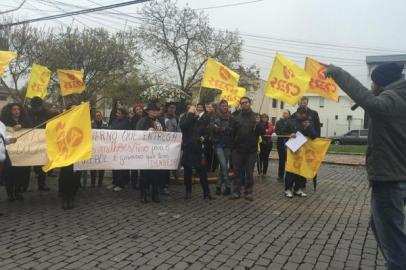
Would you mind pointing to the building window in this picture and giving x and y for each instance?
(273, 120)
(282, 105)
(274, 103)
(336, 117)
(3, 98)
(321, 102)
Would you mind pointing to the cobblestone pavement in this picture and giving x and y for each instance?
(341, 159)
(107, 230)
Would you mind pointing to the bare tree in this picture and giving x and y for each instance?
(184, 37)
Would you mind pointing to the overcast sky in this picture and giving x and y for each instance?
(341, 32)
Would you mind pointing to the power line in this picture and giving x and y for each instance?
(68, 14)
(230, 5)
(14, 9)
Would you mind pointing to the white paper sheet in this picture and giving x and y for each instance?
(296, 143)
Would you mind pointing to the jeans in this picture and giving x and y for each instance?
(223, 156)
(93, 176)
(244, 163)
(388, 200)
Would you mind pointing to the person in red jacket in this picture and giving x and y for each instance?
(265, 146)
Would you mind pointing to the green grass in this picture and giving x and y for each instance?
(353, 149)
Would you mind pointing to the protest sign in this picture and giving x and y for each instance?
(133, 149)
(30, 150)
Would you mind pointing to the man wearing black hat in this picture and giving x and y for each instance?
(39, 114)
(386, 154)
(150, 122)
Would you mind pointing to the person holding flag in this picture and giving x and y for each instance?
(386, 153)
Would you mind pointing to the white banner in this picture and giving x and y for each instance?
(133, 149)
(29, 150)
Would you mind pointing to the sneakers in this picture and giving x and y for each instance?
(117, 189)
(300, 193)
(235, 196)
(111, 187)
(288, 193)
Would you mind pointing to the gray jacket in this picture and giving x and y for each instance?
(386, 154)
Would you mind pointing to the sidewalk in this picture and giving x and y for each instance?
(339, 159)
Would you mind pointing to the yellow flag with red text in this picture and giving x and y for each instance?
(218, 76)
(307, 159)
(69, 137)
(71, 81)
(38, 83)
(5, 59)
(233, 96)
(319, 84)
(287, 81)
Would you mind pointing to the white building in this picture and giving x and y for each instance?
(336, 117)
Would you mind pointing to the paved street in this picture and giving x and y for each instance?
(107, 230)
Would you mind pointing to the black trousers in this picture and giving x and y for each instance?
(15, 178)
(263, 162)
(121, 178)
(294, 181)
(150, 178)
(93, 176)
(69, 182)
(134, 178)
(202, 172)
(282, 158)
(41, 175)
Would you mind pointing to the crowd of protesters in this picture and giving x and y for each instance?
(214, 139)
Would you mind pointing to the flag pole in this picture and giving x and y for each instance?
(45, 122)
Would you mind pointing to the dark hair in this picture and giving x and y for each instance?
(305, 98)
(122, 110)
(36, 102)
(201, 104)
(247, 98)
(170, 104)
(265, 115)
(7, 118)
(223, 101)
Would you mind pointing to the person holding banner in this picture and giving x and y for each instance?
(97, 123)
(3, 152)
(39, 114)
(220, 129)
(16, 178)
(138, 110)
(195, 126)
(294, 184)
(120, 122)
(150, 122)
(282, 128)
(246, 131)
(386, 153)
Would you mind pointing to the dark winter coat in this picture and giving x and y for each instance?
(122, 124)
(386, 154)
(220, 129)
(282, 128)
(245, 132)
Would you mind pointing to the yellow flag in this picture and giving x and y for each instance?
(69, 137)
(38, 83)
(307, 160)
(5, 59)
(319, 84)
(71, 81)
(218, 76)
(287, 81)
(233, 96)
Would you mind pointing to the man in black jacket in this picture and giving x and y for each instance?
(312, 115)
(245, 134)
(39, 114)
(386, 154)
